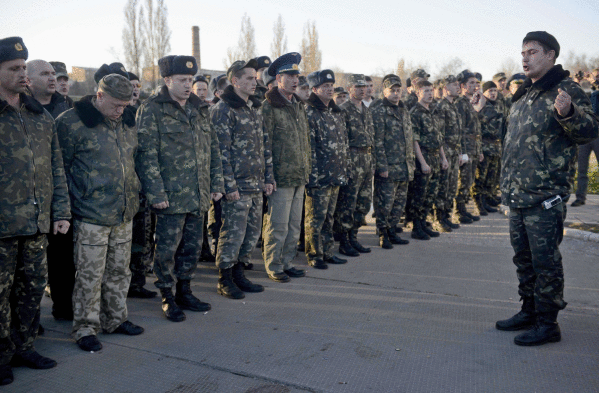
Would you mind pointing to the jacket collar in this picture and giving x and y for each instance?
(554, 76)
(317, 103)
(91, 117)
(163, 97)
(30, 103)
(233, 100)
(276, 99)
(386, 102)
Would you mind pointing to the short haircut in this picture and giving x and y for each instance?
(367, 78)
(422, 83)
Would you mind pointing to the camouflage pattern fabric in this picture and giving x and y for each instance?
(142, 244)
(33, 188)
(535, 235)
(23, 273)
(485, 183)
(492, 123)
(215, 219)
(178, 158)
(102, 255)
(349, 213)
(448, 181)
(411, 101)
(320, 206)
(98, 156)
(390, 199)
(466, 180)
(358, 123)
(241, 227)
(425, 128)
(450, 125)
(178, 247)
(287, 127)
(471, 132)
(423, 189)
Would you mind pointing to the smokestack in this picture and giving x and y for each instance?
(195, 44)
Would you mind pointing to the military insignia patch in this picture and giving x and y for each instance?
(18, 47)
(123, 69)
(266, 61)
(189, 64)
(295, 67)
(329, 76)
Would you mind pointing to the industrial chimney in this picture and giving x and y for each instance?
(195, 45)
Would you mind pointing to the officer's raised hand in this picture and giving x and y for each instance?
(563, 103)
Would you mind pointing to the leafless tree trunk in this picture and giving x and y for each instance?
(157, 37)
(246, 45)
(452, 67)
(311, 54)
(279, 42)
(509, 67)
(133, 37)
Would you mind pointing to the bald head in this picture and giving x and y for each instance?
(42, 80)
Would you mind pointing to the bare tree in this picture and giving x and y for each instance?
(157, 37)
(510, 67)
(279, 42)
(311, 54)
(133, 37)
(246, 45)
(452, 67)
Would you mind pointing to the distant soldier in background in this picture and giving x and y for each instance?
(62, 80)
(42, 84)
(261, 88)
(340, 96)
(368, 98)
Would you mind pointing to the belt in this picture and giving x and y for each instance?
(361, 149)
(431, 151)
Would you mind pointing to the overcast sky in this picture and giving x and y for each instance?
(355, 35)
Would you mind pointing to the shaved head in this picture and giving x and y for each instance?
(42, 80)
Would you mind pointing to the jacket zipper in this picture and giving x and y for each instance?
(32, 158)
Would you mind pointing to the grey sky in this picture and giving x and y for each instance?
(356, 36)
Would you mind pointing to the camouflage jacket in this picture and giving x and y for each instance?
(260, 92)
(33, 187)
(178, 159)
(99, 161)
(244, 143)
(450, 124)
(328, 142)
(471, 136)
(425, 128)
(411, 101)
(360, 130)
(492, 124)
(501, 104)
(58, 104)
(287, 127)
(393, 140)
(540, 147)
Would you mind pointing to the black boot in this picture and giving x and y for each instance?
(353, 240)
(226, 286)
(6, 375)
(345, 247)
(470, 215)
(478, 201)
(33, 360)
(186, 301)
(487, 207)
(441, 217)
(463, 214)
(395, 239)
(546, 330)
(171, 310)
(525, 319)
(427, 230)
(492, 201)
(242, 282)
(418, 233)
(384, 239)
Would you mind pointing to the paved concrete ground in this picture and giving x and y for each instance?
(418, 318)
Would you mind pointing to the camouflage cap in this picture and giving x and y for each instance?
(12, 48)
(391, 80)
(356, 80)
(214, 83)
(478, 76)
(60, 69)
(419, 73)
(465, 75)
(200, 78)
(489, 85)
(239, 65)
(116, 86)
(302, 81)
(447, 80)
(340, 90)
(516, 78)
(499, 76)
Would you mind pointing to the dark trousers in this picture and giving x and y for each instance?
(584, 153)
(61, 272)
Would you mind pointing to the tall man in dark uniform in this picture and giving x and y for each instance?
(550, 116)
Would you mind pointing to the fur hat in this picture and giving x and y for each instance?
(317, 78)
(177, 65)
(114, 68)
(12, 48)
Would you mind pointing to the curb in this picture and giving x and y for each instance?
(568, 232)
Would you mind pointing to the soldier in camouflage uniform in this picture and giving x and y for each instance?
(353, 202)
(471, 140)
(451, 129)
(430, 160)
(412, 98)
(33, 201)
(62, 81)
(287, 126)
(99, 142)
(492, 123)
(247, 170)
(180, 171)
(261, 88)
(394, 160)
(328, 146)
(340, 96)
(500, 81)
(550, 116)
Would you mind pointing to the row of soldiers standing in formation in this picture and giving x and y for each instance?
(76, 171)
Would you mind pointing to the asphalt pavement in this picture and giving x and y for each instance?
(418, 318)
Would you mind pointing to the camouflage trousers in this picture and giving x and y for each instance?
(422, 191)
(320, 206)
(215, 218)
(241, 227)
(486, 176)
(142, 246)
(535, 234)
(23, 271)
(467, 173)
(390, 199)
(178, 247)
(102, 257)
(354, 200)
(281, 228)
(448, 182)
